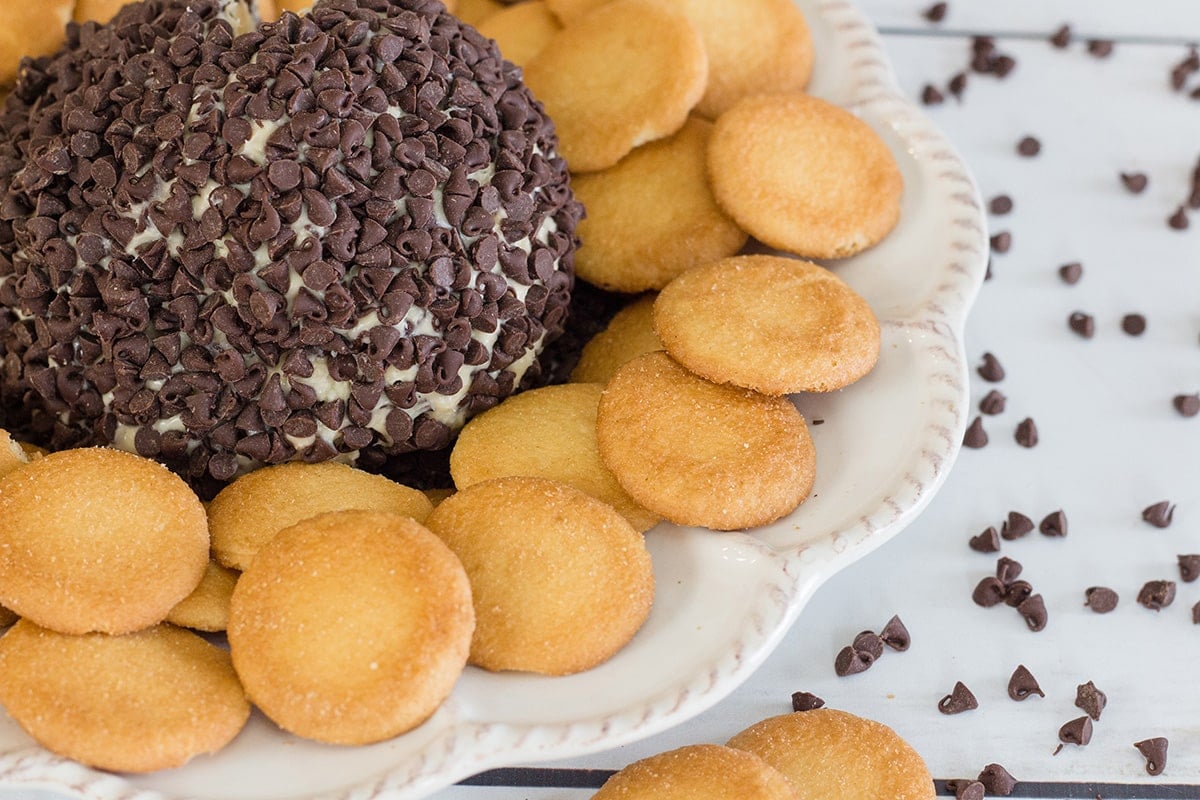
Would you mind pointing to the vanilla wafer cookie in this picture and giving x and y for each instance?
(629, 334)
(698, 772)
(522, 31)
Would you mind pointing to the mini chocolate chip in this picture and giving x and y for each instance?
(1082, 323)
(1135, 182)
(969, 790)
(1000, 204)
(1100, 599)
(895, 635)
(1027, 433)
(1062, 37)
(936, 12)
(959, 700)
(868, 643)
(992, 403)
(958, 85)
(1070, 273)
(1054, 524)
(975, 436)
(997, 780)
(806, 701)
(1077, 731)
(1179, 220)
(851, 662)
(987, 541)
(1133, 324)
(1155, 752)
(988, 592)
(1016, 593)
(1189, 567)
(1029, 146)
(930, 96)
(1033, 609)
(1100, 48)
(1157, 595)
(1008, 569)
(1090, 700)
(991, 370)
(1188, 405)
(1015, 526)
(1022, 684)
(1001, 242)
(1159, 514)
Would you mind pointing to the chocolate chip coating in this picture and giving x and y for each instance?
(335, 236)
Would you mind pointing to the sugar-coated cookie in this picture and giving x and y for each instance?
(701, 453)
(829, 754)
(560, 581)
(140, 702)
(521, 31)
(13, 454)
(652, 216)
(620, 76)
(568, 11)
(629, 334)
(248, 512)
(773, 324)
(30, 28)
(804, 175)
(698, 772)
(207, 608)
(351, 627)
(544, 433)
(474, 12)
(753, 46)
(95, 539)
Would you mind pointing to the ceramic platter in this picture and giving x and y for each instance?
(724, 600)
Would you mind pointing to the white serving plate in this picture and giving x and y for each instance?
(724, 600)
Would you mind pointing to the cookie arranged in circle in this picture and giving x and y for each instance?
(560, 581)
(140, 702)
(351, 627)
(803, 175)
(835, 755)
(95, 539)
(544, 433)
(701, 453)
(568, 11)
(474, 12)
(698, 772)
(753, 46)
(522, 31)
(207, 608)
(620, 76)
(629, 334)
(247, 513)
(652, 216)
(776, 325)
(30, 29)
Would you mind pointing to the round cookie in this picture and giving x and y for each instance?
(98, 540)
(351, 627)
(568, 11)
(629, 334)
(773, 324)
(834, 755)
(30, 29)
(521, 31)
(753, 46)
(803, 175)
(544, 433)
(698, 772)
(474, 12)
(623, 75)
(207, 608)
(247, 513)
(652, 216)
(140, 702)
(560, 581)
(701, 453)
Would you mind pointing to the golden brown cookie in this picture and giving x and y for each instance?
(97, 10)
(140, 702)
(651, 216)
(560, 581)
(568, 11)
(207, 608)
(32, 451)
(295, 6)
(13, 454)
(698, 772)
(544, 433)
(834, 755)
(629, 334)
(776, 325)
(803, 175)
(475, 12)
(522, 31)
(351, 627)
(753, 46)
(701, 453)
(28, 28)
(623, 75)
(95, 539)
(248, 512)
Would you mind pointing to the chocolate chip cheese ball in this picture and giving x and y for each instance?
(222, 245)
